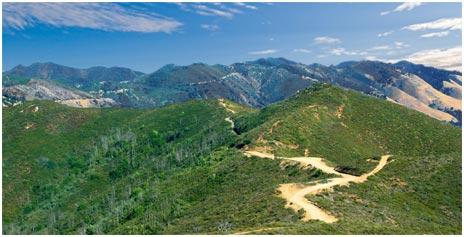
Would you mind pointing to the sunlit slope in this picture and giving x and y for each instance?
(345, 127)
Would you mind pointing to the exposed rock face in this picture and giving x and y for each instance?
(90, 103)
(37, 89)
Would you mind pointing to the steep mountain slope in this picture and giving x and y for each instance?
(37, 89)
(448, 82)
(197, 81)
(181, 169)
(255, 84)
(396, 85)
(259, 83)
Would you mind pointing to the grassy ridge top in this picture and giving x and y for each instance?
(346, 127)
(180, 169)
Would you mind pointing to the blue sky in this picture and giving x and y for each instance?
(146, 36)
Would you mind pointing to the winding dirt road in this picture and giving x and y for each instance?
(295, 193)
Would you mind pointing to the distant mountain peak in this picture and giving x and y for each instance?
(273, 61)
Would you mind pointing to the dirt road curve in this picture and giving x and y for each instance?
(232, 125)
(295, 193)
(222, 103)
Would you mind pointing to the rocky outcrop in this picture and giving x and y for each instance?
(37, 89)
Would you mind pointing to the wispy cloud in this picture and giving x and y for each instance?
(450, 59)
(405, 6)
(101, 16)
(400, 45)
(381, 47)
(389, 47)
(209, 11)
(395, 48)
(385, 34)
(301, 51)
(241, 4)
(436, 34)
(182, 6)
(262, 52)
(343, 51)
(210, 27)
(227, 10)
(440, 24)
(326, 40)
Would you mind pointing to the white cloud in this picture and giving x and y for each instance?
(326, 40)
(241, 4)
(385, 34)
(400, 45)
(338, 51)
(101, 16)
(395, 45)
(436, 34)
(210, 27)
(268, 51)
(450, 59)
(182, 6)
(209, 11)
(301, 51)
(405, 6)
(229, 9)
(381, 47)
(216, 8)
(373, 58)
(440, 24)
(343, 51)
(383, 14)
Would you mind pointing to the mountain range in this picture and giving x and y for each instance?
(259, 83)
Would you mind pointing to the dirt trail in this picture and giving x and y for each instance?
(258, 230)
(259, 154)
(232, 124)
(228, 119)
(295, 193)
(223, 104)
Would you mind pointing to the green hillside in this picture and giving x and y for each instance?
(346, 127)
(180, 169)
